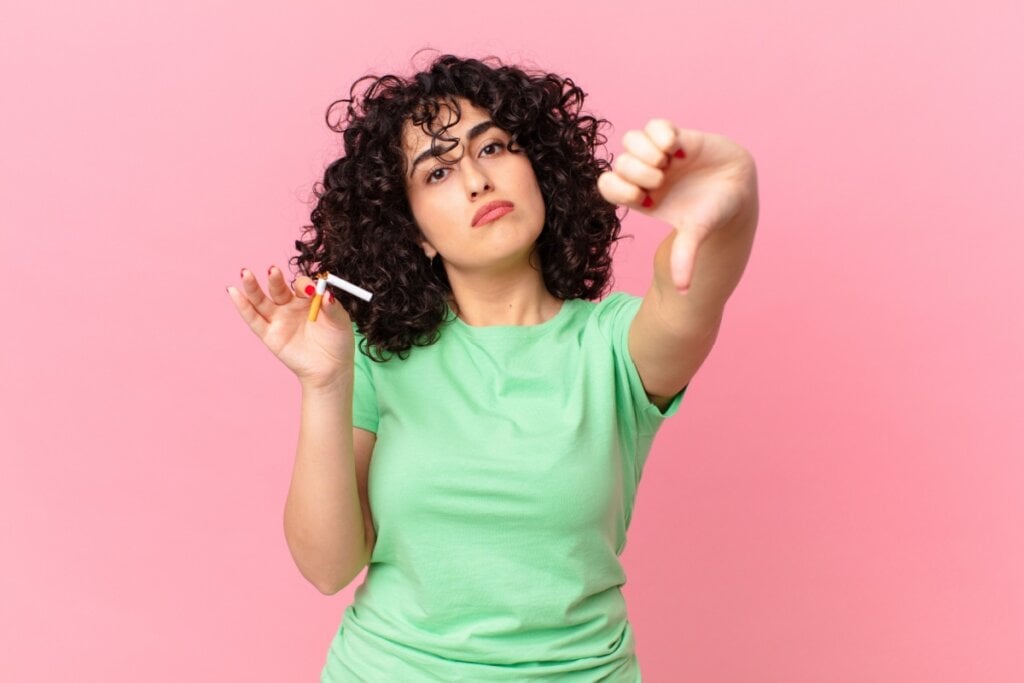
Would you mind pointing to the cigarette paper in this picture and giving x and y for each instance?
(349, 287)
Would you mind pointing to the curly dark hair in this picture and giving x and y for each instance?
(363, 228)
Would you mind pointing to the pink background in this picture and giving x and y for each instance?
(841, 497)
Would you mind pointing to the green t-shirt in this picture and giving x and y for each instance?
(502, 484)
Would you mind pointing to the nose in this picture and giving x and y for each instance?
(476, 180)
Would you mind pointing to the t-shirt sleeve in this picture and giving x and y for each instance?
(616, 313)
(638, 419)
(365, 414)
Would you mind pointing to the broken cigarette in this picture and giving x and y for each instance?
(321, 287)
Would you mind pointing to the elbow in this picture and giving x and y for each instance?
(333, 582)
(329, 570)
(329, 588)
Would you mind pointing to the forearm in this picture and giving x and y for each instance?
(323, 519)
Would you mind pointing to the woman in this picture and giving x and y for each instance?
(506, 414)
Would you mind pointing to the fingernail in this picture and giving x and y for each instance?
(241, 273)
(310, 290)
(270, 271)
(647, 201)
(680, 154)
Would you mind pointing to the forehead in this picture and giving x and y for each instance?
(416, 140)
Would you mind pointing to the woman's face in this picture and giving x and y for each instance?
(446, 194)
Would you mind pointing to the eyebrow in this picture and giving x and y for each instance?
(474, 132)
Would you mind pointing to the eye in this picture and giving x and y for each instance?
(489, 145)
(496, 147)
(432, 177)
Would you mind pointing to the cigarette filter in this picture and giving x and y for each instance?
(321, 287)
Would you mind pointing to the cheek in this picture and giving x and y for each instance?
(432, 217)
(538, 196)
(527, 178)
(424, 213)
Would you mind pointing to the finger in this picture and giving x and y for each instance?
(304, 287)
(337, 313)
(688, 144)
(277, 287)
(637, 172)
(683, 258)
(640, 145)
(618, 191)
(257, 323)
(305, 291)
(263, 305)
(663, 134)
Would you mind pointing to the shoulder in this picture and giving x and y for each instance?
(614, 313)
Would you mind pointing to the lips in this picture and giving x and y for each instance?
(491, 211)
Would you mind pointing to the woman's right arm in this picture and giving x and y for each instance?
(327, 520)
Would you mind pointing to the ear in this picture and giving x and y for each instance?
(428, 249)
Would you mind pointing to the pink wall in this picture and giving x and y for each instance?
(840, 497)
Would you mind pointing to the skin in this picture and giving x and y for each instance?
(494, 273)
(704, 186)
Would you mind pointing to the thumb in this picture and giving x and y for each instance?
(334, 310)
(683, 258)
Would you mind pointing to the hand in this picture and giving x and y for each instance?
(315, 351)
(697, 182)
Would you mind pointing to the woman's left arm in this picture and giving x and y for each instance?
(704, 186)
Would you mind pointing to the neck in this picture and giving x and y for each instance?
(511, 298)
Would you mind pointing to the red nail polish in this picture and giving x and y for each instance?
(270, 271)
(680, 154)
(647, 201)
(310, 290)
(241, 273)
